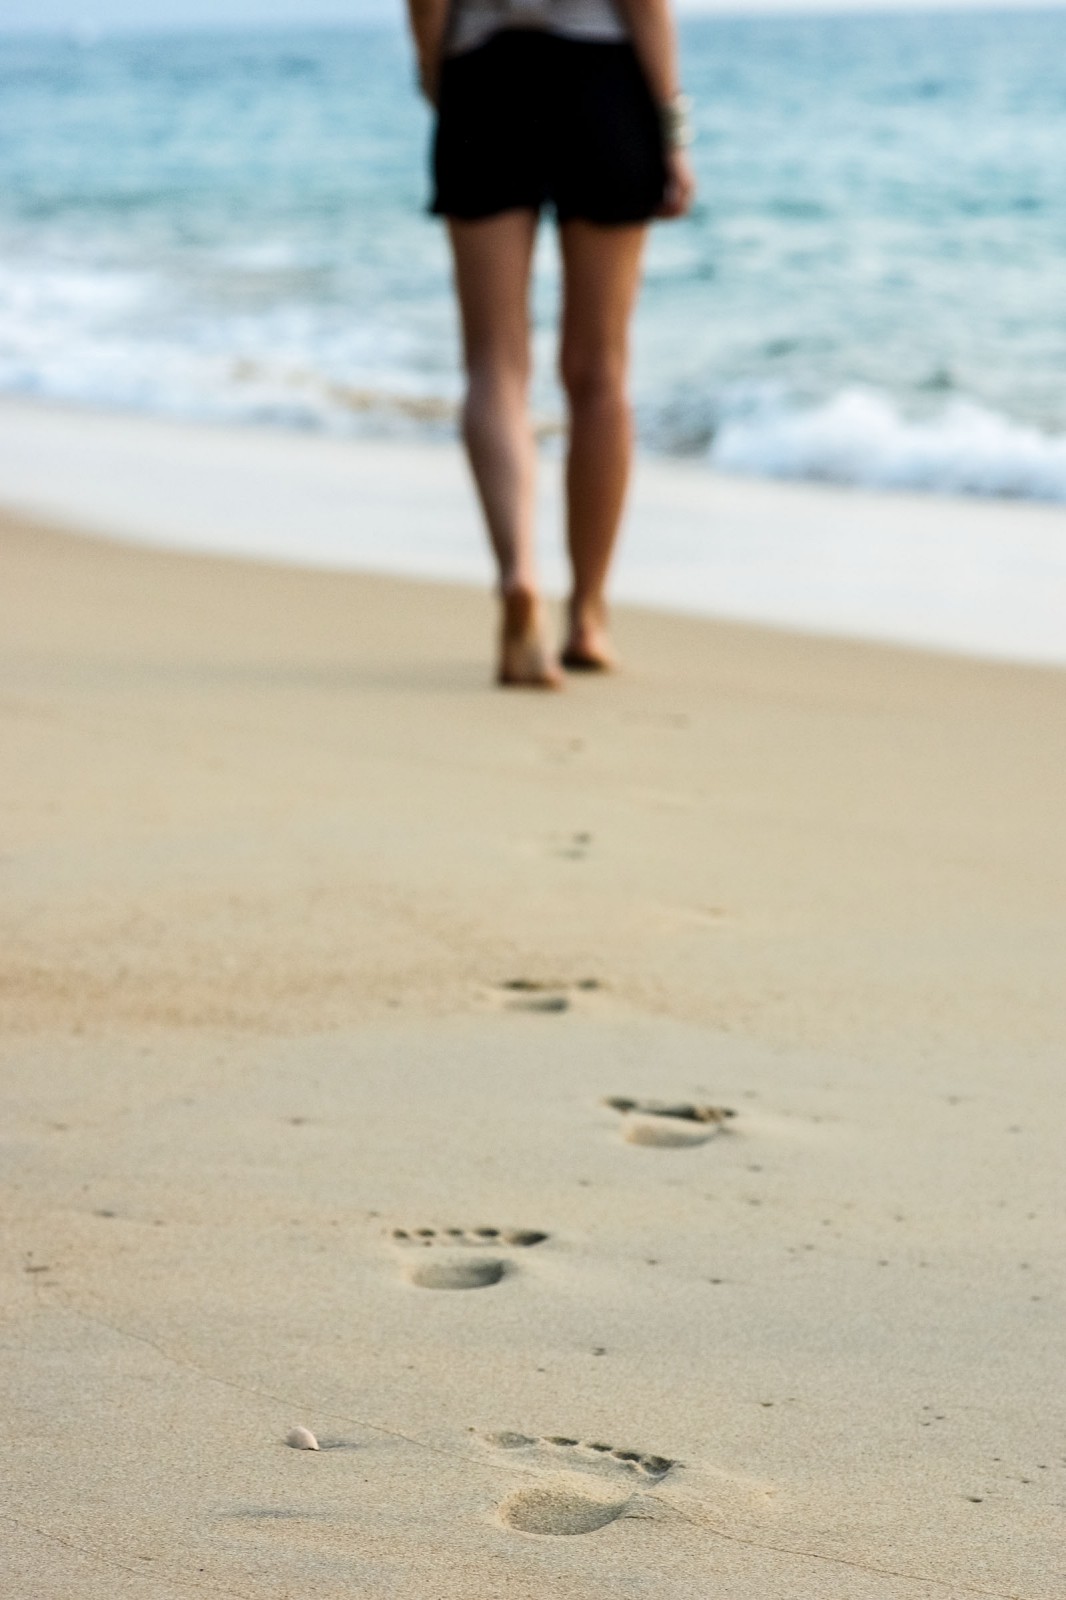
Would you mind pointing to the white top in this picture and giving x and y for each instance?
(474, 21)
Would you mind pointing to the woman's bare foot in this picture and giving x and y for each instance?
(526, 661)
(588, 648)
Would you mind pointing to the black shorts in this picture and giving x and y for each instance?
(530, 119)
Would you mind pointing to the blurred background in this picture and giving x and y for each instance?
(220, 214)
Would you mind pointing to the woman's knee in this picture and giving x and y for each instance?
(498, 372)
(593, 377)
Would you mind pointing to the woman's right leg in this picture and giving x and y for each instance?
(493, 259)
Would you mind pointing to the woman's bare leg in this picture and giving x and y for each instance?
(493, 259)
(601, 274)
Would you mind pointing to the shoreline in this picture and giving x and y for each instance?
(961, 575)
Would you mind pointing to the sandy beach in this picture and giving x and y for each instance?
(322, 961)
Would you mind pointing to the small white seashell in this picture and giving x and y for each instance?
(302, 1439)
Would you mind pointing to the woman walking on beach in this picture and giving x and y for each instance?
(573, 104)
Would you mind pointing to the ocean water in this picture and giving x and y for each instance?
(871, 289)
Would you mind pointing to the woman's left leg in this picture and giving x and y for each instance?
(601, 276)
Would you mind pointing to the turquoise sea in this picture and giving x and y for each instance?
(872, 288)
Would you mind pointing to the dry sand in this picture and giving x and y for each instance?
(311, 940)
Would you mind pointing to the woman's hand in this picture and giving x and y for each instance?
(680, 190)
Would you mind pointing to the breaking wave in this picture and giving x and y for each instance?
(859, 437)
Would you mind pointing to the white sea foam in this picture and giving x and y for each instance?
(859, 437)
(101, 336)
(125, 338)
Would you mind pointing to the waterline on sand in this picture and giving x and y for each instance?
(981, 577)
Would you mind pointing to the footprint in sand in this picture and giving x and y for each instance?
(570, 1485)
(537, 994)
(460, 1258)
(668, 1125)
(598, 1484)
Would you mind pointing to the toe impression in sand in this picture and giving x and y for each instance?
(668, 1125)
(603, 1458)
(472, 1258)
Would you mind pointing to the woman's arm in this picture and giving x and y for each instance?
(428, 19)
(651, 28)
